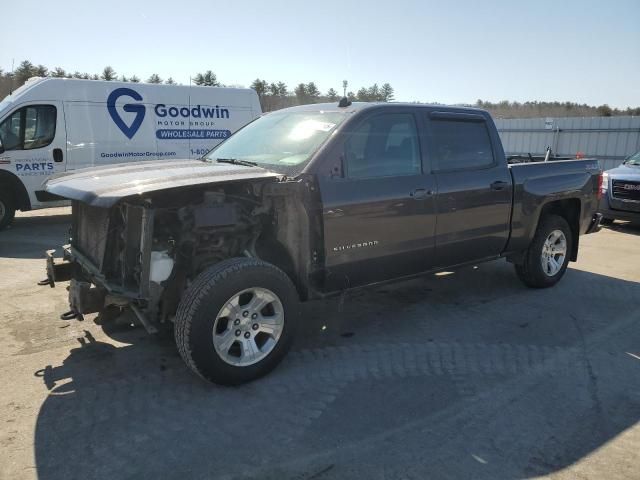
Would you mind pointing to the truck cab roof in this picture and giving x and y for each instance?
(360, 106)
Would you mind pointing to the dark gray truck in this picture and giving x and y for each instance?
(306, 202)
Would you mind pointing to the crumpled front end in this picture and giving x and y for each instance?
(141, 252)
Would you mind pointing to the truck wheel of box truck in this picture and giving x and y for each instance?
(7, 206)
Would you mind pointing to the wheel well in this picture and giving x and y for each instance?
(568, 209)
(270, 250)
(13, 183)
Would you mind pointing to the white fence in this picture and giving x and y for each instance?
(610, 139)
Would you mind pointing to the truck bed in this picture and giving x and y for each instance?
(536, 182)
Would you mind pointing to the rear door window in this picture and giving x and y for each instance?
(382, 146)
(459, 145)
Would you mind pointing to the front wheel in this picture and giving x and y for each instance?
(7, 207)
(547, 258)
(236, 321)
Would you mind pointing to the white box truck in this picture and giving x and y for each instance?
(52, 125)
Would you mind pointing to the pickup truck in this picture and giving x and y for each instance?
(303, 203)
(621, 187)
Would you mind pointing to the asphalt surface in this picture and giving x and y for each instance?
(463, 375)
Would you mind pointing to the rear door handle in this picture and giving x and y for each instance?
(57, 155)
(499, 185)
(420, 193)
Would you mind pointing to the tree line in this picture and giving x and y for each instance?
(276, 95)
(507, 109)
(273, 96)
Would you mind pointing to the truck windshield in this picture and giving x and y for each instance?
(633, 159)
(280, 141)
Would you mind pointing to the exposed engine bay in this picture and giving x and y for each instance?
(144, 251)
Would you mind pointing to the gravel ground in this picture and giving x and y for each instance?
(464, 375)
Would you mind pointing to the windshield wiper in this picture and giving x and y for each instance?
(235, 161)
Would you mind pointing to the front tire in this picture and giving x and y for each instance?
(547, 257)
(7, 207)
(236, 321)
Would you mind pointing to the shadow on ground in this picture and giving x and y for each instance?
(625, 227)
(32, 236)
(464, 376)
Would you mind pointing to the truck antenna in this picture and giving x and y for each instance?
(344, 101)
(13, 61)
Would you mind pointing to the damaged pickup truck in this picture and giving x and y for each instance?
(306, 202)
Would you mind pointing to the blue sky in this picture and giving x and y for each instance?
(448, 51)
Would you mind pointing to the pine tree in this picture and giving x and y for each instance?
(210, 80)
(312, 92)
(24, 72)
(282, 89)
(108, 74)
(59, 73)
(260, 86)
(301, 93)
(41, 71)
(198, 79)
(387, 93)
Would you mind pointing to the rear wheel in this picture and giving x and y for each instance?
(7, 207)
(547, 258)
(236, 321)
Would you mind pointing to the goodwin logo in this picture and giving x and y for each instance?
(138, 109)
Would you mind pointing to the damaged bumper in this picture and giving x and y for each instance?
(61, 272)
(90, 292)
(85, 296)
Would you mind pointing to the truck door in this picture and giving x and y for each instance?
(474, 186)
(379, 217)
(34, 139)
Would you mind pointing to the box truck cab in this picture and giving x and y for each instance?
(52, 125)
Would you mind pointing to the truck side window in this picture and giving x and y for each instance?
(459, 144)
(29, 128)
(382, 146)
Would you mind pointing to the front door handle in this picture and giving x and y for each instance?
(335, 212)
(499, 185)
(420, 193)
(57, 155)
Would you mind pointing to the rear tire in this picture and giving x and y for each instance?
(236, 321)
(7, 207)
(544, 263)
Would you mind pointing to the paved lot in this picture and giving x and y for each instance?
(465, 375)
